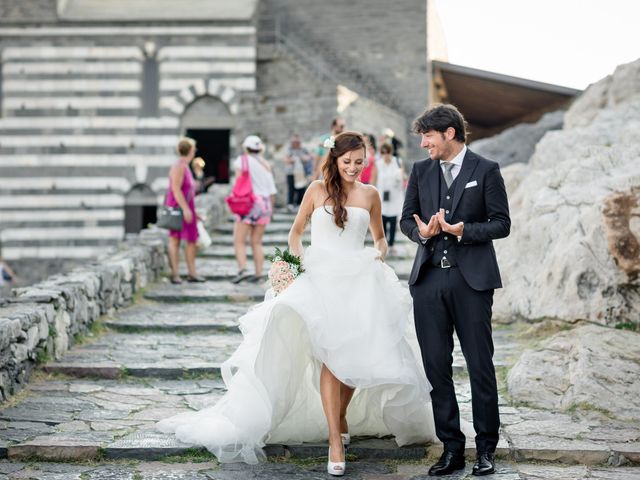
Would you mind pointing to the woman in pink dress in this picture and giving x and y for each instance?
(182, 193)
(369, 173)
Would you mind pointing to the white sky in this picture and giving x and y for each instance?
(566, 42)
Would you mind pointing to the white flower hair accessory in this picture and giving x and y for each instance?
(329, 142)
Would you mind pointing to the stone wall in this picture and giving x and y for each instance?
(43, 320)
(375, 49)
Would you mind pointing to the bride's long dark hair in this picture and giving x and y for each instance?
(344, 143)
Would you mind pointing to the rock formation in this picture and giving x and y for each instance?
(573, 249)
(588, 368)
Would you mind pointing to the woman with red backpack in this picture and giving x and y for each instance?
(251, 201)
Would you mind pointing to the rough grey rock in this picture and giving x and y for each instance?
(517, 144)
(557, 262)
(589, 367)
(620, 87)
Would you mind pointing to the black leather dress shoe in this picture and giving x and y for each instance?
(485, 464)
(449, 462)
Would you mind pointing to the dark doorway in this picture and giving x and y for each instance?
(213, 147)
(140, 208)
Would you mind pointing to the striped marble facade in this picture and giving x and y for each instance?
(73, 138)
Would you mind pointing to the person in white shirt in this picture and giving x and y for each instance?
(254, 223)
(390, 184)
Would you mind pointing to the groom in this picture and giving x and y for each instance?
(455, 205)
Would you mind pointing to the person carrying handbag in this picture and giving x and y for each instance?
(181, 194)
(253, 223)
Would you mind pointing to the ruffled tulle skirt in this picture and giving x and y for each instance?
(347, 311)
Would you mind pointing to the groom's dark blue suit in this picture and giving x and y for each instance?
(461, 296)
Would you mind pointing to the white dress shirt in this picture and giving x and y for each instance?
(457, 162)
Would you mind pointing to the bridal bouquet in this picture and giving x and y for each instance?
(284, 269)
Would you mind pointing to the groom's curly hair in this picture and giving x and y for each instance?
(344, 143)
(439, 117)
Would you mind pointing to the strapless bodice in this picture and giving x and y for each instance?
(325, 234)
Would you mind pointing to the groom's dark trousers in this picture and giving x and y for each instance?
(458, 297)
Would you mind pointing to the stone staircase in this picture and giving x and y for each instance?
(325, 63)
(162, 355)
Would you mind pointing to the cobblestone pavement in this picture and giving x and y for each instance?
(91, 415)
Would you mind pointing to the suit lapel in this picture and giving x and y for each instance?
(468, 167)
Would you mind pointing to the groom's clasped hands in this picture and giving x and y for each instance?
(437, 224)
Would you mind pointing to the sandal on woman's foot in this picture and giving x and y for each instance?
(196, 279)
(242, 275)
(175, 280)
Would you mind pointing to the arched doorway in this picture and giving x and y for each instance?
(140, 208)
(208, 121)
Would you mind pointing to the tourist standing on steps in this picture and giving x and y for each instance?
(389, 136)
(391, 190)
(255, 222)
(202, 183)
(182, 192)
(296, 162)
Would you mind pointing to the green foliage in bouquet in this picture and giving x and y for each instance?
(286, 256)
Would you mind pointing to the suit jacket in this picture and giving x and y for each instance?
(479, 200)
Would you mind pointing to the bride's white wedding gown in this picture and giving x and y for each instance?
(347, 311)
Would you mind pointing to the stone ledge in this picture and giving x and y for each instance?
(42, 321)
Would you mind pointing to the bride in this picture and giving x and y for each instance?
(335, 354)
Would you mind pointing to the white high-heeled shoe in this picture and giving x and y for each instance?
(346, 439)
(336, 468)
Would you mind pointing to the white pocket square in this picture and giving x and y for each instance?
(471, 184)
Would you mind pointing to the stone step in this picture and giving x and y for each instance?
(84, 419)
(309, 469)
(283, 227)
(273, 227)
(209, 291)
(402, 251)
(220, 268)
(147, 354)
(152, 445)
(213, 268)
(281, 239)
(270, 239)
(179, 317)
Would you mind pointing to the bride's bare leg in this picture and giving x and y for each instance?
(330, 394)
(346, 394)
